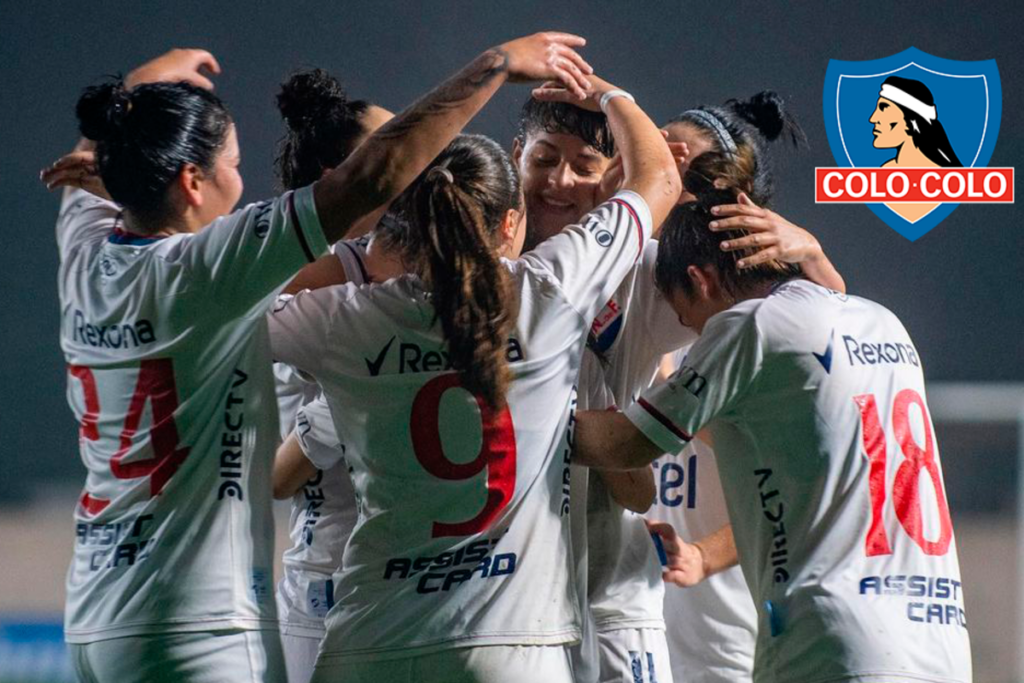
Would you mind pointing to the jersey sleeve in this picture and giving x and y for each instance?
(594, 393)
(714, 376)
(317, 434)
(83, 217)
(301, 328)
(591, 258)
(246, 256)
(665, 332)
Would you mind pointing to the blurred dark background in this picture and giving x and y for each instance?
(958, 289)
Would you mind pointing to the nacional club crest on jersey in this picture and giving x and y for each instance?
(912, 135)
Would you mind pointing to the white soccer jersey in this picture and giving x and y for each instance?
(625, 589)
(634, 329)
(169, 377)
(323, 515)
(323, 511)
(711, 627)
(632, 332)
(293, 390)
(830, 467)
(457, 525)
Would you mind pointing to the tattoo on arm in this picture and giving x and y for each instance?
(449, 95)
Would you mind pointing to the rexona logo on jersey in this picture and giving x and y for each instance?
(414, 358)
(911, 135)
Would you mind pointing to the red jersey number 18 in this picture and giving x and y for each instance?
(906, 490)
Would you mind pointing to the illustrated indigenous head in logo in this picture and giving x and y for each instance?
(924, 146)
(905, 119)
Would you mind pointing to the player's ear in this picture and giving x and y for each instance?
(517, 151)
(190, 182)
(511, 240)
(704, 283)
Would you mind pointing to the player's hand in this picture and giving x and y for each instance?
(549, 56)
(685, 566)
(76, 169)
(772, 235)
(193, 66)
(611, 181)
(591, 99)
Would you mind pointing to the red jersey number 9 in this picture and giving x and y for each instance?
(906, 489)
(497, 453)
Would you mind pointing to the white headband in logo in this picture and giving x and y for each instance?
(907, 100)
(710, 120)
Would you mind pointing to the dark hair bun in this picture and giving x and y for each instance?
(311, 96)
(101, 110)
(765, 111)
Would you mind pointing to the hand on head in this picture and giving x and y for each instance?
(190, 65)
(549, 56)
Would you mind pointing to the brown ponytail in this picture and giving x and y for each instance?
(458, 205)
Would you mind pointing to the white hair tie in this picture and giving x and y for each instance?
(905, 99)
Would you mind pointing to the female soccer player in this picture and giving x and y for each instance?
(625, 591)
(452, 394)
(324, 126)
(711, 626)
(815, 402)
(169, 375)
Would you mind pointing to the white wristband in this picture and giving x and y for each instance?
(612, 94)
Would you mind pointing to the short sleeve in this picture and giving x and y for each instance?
(301, 328)
(245, 256)
(714, 376)
(318, 437)
(83, 217)
(591, 258)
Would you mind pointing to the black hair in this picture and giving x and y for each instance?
(324, 126)
(931, 137)
(146, 136)
(751, 124)
(455, 208)
(687, 241)
(560, 117)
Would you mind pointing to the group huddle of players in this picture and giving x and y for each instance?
(474, 371)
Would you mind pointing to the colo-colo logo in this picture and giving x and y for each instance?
(911, 135)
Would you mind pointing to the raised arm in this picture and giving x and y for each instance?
(648, 165)
(379, 169)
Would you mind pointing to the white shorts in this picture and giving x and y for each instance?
(634, 655)
(485, 664)
(299, 656)
(199, 657)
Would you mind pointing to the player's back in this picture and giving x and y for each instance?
(829, 458)
(456, 520)
(169, 377)
(463, 509)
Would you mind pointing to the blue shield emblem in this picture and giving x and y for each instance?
(965, 99)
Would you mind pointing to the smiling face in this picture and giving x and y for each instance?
(890, 125)
(560, 174)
